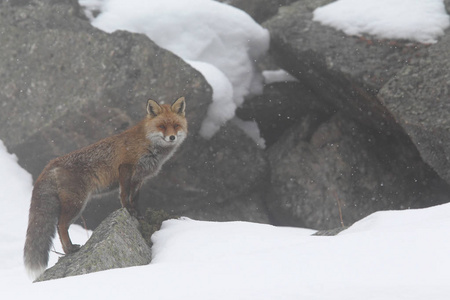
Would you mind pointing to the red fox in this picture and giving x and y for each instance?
(125, 160)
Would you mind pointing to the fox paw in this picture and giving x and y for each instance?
(134, 212)
(73, 249)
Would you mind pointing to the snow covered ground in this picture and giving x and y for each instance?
(417, 20)
(388, 255)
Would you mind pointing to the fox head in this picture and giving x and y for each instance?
(166, 124)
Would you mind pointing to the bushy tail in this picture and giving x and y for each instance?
(44, 211)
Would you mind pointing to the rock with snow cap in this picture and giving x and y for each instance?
(65, 84)
(315, 164)
(345, 71)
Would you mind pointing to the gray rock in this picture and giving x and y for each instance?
(248, 207)
(116, 243)
(359, 161)
(345, 71)
(259, 10)
(419, 98)
(345, 169)
(282, 105)
(65, 84)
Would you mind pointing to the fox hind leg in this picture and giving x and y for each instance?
(71, 207)
(63, 231)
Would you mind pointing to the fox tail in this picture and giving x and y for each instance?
(42, 221)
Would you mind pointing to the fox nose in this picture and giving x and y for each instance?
(172, 138)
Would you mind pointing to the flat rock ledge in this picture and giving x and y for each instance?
(116, 243)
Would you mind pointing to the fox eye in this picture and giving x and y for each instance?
(176, 126)
(162, 127)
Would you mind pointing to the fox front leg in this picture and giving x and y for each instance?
(129, 189)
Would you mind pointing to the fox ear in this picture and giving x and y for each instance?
(153, 108)
(179, 106)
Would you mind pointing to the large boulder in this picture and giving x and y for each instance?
(332, 174)
(65, 84)
(345, 71)
(346, 154)
(419, 98)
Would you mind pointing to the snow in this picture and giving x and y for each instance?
(252, 130)
(220, 41)
(272, 76)
(388, 255)
(416, 20)
(222, 108)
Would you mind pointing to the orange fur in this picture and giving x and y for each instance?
(124, 160)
